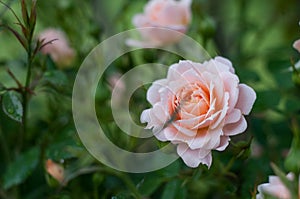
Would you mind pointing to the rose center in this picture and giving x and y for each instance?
(192, 100)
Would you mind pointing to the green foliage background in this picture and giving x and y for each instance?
(255, 35)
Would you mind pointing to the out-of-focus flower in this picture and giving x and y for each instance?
(198, 106)
(55, 170)
(275, 188)
(59, 50)
(296, 45)
(256, 149)
(161, 16)
(118, 87)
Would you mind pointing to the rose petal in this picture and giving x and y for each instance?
(296, 45)
(139, 20)
(246, 99)
(153, 95)
(193, 158)
(224, 142)
(184, 130)
(231, 85)
(235, 128)
(225, 62)
(208, 140)
(233, 117)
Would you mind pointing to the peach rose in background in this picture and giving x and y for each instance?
(59, 50)
(197, 107)
(55, 170)
(162, 14)
(275, 188)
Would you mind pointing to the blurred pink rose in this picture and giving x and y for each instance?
(296, 45)
(164, 15)
(59, 49)
(119, 86)
(198, 106)
(275, 188)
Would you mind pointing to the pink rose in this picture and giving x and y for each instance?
(296, 45)
(163, 14)
(59, 50)
(275, 188)
(198, 106)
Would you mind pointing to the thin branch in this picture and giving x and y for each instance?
(5, 9)
(14, 78)
(8, 7)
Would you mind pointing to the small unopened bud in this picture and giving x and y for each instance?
(296, 78)
(55, 170)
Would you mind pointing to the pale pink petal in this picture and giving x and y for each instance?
(153, 95)
(296, 45)
(224, 142)
(190, 123)
(193, 158)
(225, 62)
(210, 140)
(139, 20)
(235, 128)
(221, 117)
(184, 130)
(160, 113)
(231, 85)
(145, 116)
(233, 116)
(247, 97)
(148, 117)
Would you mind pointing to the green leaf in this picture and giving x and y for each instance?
(2, 89)
(149, 184)
(174, 190)
(12, 106)
(18, 171)
(56, 80)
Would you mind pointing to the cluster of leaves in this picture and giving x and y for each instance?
(241, 30)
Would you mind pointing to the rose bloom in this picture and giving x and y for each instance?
(59, 50)
(163, 15)
(197, 107)
(296, 45)
(55, 170)
(275, 188)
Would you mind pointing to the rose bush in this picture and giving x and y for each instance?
(163, 15)
(59, 49)
(198, 106)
